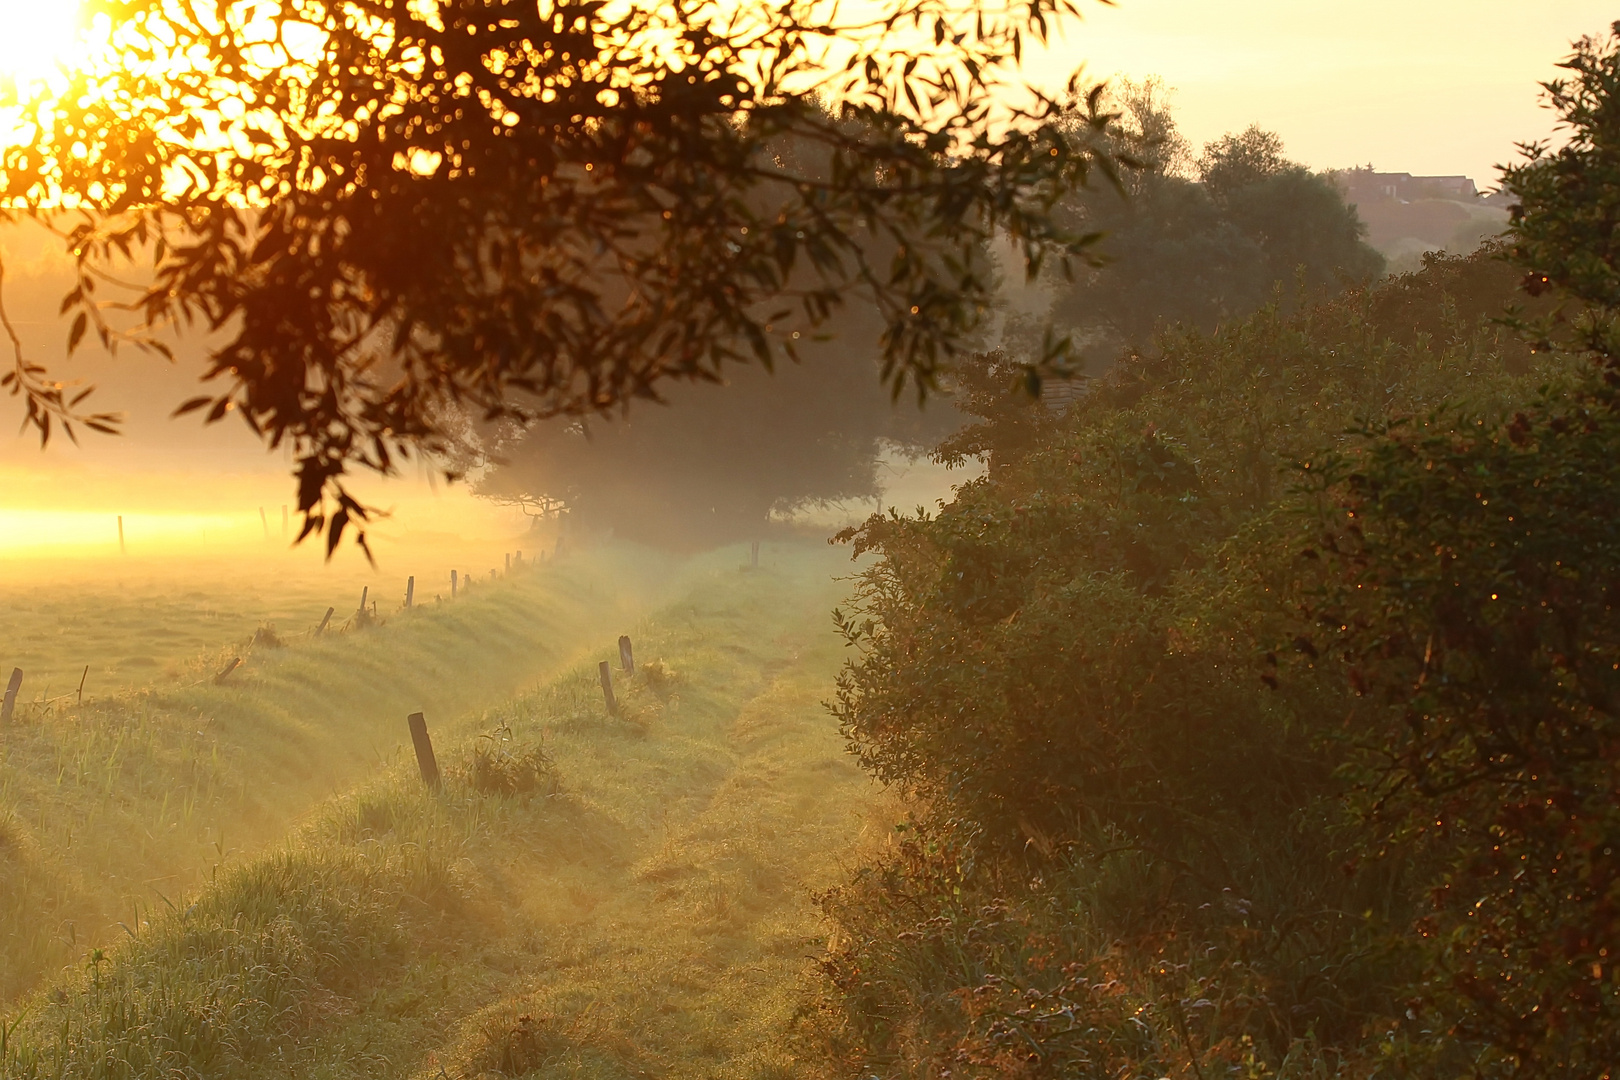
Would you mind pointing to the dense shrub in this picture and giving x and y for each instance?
(1469, 577)
(1229, 774)
(1465, 577)
(1022, 647)
(1141, 850)
(1150, 693)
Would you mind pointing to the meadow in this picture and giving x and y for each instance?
(146, 619)
(251, 878)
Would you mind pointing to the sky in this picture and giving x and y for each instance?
(1420, 86)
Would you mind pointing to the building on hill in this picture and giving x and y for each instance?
(1365, 186)
(1407, 215)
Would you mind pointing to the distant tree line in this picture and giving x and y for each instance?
(1194, 241)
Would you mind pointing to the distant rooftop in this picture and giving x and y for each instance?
(1364, 186)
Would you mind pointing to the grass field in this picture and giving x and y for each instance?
(138, 794)
(265, 887)
(144, 620)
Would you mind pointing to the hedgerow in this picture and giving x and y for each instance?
(1260, 710)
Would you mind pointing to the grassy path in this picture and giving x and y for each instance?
(671, 942)
(638, 907)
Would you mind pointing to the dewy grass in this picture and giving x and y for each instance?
(228, 985)
(127, 799)
(144, 620)
(586, 895)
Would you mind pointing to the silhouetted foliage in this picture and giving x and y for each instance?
(1563, 228)
(396, 215)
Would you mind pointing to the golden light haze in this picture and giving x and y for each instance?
(1432, 86)
(34, 38)
(55, 506)
(1420, 86)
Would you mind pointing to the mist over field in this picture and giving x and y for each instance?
(745, 543)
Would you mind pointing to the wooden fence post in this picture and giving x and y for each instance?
(360, 615)
(627, 658)
(508, 562)
(321, 629)
(425, 760)
(410, 591)
(236, 662)
(753, 560)
(265, 522)
(10, 702)
(452, 584)
(121, 549)
(606, 675)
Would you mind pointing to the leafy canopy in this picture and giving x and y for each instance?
(1563, 227)
(396, 213)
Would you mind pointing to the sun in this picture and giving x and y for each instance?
(37, 37)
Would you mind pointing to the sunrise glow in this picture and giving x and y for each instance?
(38, 40)
(65, 532)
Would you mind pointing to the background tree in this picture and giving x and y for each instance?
(1299, 219)
(397, 213)
(720, 459)
(712, 462)
(1195, 242)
